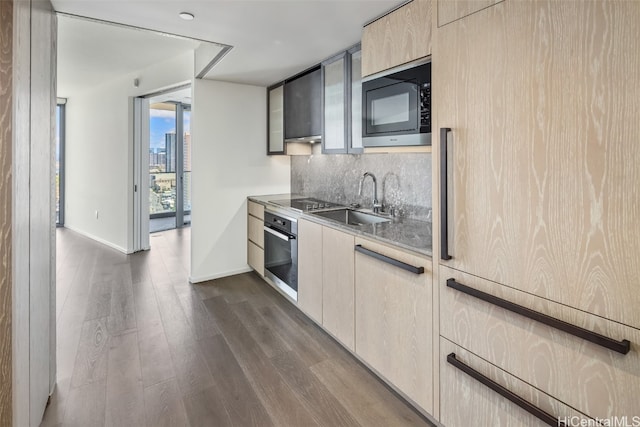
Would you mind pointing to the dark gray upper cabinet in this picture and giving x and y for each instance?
(303, 106)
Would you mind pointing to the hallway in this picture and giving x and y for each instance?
(138, 345)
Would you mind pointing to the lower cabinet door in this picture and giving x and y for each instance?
(310, 269)
(337, 285)
(394, 318)
(255, 257)
(466, 400)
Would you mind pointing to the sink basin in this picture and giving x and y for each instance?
(351, 217)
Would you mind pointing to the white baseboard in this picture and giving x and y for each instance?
(219, 275)
(98, 239)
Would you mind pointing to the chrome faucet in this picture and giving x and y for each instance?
(375, 204)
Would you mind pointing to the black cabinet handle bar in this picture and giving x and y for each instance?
(444, 214)
(389, 260)
(527, 406)
(620, 346)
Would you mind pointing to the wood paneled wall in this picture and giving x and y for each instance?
(6, 84)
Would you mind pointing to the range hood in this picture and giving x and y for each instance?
(309, 139)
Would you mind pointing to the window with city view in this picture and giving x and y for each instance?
(187, 161)
(59, 160)
(166, 150)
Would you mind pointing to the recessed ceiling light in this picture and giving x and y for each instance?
(186, 16)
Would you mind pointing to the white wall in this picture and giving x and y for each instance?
(229, 163)
(99, 151)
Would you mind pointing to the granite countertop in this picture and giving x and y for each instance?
(403, 232)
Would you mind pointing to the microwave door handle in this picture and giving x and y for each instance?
(277, 234)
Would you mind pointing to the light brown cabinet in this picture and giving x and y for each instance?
(544, 150)
(255, 257)
(310, 269)
(338, 285)
(453, 10)
(255, 210)
(255, 236)
(397, 38)
(393, 309)
(543, 208)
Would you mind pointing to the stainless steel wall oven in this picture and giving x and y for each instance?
(281, 252)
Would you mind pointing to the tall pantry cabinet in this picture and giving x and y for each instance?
(542, 99)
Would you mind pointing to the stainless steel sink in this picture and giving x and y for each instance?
(351, 217)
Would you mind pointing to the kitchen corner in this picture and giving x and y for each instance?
(343, 267)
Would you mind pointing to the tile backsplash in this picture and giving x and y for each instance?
(404, 180)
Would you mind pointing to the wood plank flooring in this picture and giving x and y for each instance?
(140, 346)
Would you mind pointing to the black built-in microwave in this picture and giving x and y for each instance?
(396, 108)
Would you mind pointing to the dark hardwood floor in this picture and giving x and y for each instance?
(138, 345)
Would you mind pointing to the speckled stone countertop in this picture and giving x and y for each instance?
(405, 233)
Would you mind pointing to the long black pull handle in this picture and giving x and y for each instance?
(444, 211)
(527, 406)
(389, 260)
(620, 346)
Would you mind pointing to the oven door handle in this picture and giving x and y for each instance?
(278, 234)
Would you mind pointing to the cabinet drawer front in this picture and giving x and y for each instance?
(255, 209)
(256, 230)
(593, 379)
(394, 320)
(463, 398)
(255, 257)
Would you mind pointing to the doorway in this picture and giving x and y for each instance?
(169, 165)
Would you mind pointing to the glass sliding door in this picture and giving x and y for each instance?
(59, 161)
(186, 156)
(162, 166)
(168, 159)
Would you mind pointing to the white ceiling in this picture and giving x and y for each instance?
(271, 39)
(90, 53)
